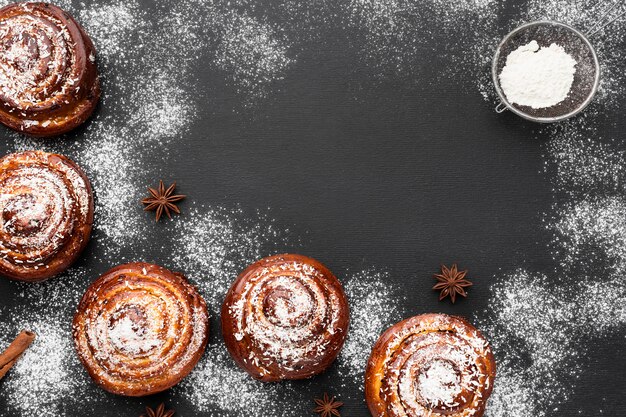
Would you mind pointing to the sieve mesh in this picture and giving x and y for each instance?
(576, 44)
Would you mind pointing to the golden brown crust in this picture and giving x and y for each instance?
(46, 214)
(140, 329)
(285, 317)
(432, 365)
(48, 76)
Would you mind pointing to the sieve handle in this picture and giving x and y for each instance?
(601, 22)
(500, 107)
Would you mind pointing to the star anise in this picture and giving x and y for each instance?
(162, 200)
(327, 407)
(451, 282)
(159, 412)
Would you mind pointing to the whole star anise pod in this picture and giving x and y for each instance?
(159, 412)
(451, 282)
(327, 406)
(162, 200)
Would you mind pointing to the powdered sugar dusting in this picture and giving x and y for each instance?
(582, 162)
(439, 384)
(531, 331)
(593, 229)
(373, 308)
(48, 379)
(399, 35)
(126, 335)
(213, 245)
(254, 54)
(207, 390)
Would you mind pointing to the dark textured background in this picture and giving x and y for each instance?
(401, 177)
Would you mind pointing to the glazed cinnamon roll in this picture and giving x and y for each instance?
(46, 204)
(430, 366)
(48, 76)
(285, 317)
(140, 329)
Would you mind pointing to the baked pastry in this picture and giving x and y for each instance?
(48, 76)
(285, 317)
(140, 329)
(430, 366)
(46, 204)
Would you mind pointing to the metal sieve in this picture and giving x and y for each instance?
(575, 43)
(586, 77)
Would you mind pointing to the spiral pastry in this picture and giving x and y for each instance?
(430, 366)
(140, 329)
(47, 214)
(48, 76)
(285, 317)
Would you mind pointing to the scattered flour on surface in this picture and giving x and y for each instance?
(400, 37)
(593, 230)
(253, 54)
(48, 380)
(373, 308)
(580, 162)
(213, 245)
(532, 332)
(218, 387)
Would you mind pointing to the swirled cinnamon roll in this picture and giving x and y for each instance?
(140, 329)
(433, 365)
(285, 317)
(46, 208)
(48, 76)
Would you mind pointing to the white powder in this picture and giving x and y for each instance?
(581, 14)
(609, 43)
(127, 336)
(533, 334)
(218, 387)
(373, 308)
(439, 384)
(48, 379)
(374, 302)
(396, 38)
(538, 77)
(252, 55)
(580, 161)
(593, 230)
(213, 245)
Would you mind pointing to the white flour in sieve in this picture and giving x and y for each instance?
(538, 77)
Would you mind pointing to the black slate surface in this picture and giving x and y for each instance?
(400, 175)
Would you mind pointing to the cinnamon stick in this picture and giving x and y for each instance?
(15, 350)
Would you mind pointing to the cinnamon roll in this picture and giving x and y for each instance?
(285, 317)
(430, 366)
(140, 329)
(48, 76)
(46, 207)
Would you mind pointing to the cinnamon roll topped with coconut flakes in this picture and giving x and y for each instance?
(432, 365)
(46, 207)
(285, 317)
(48, 76)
